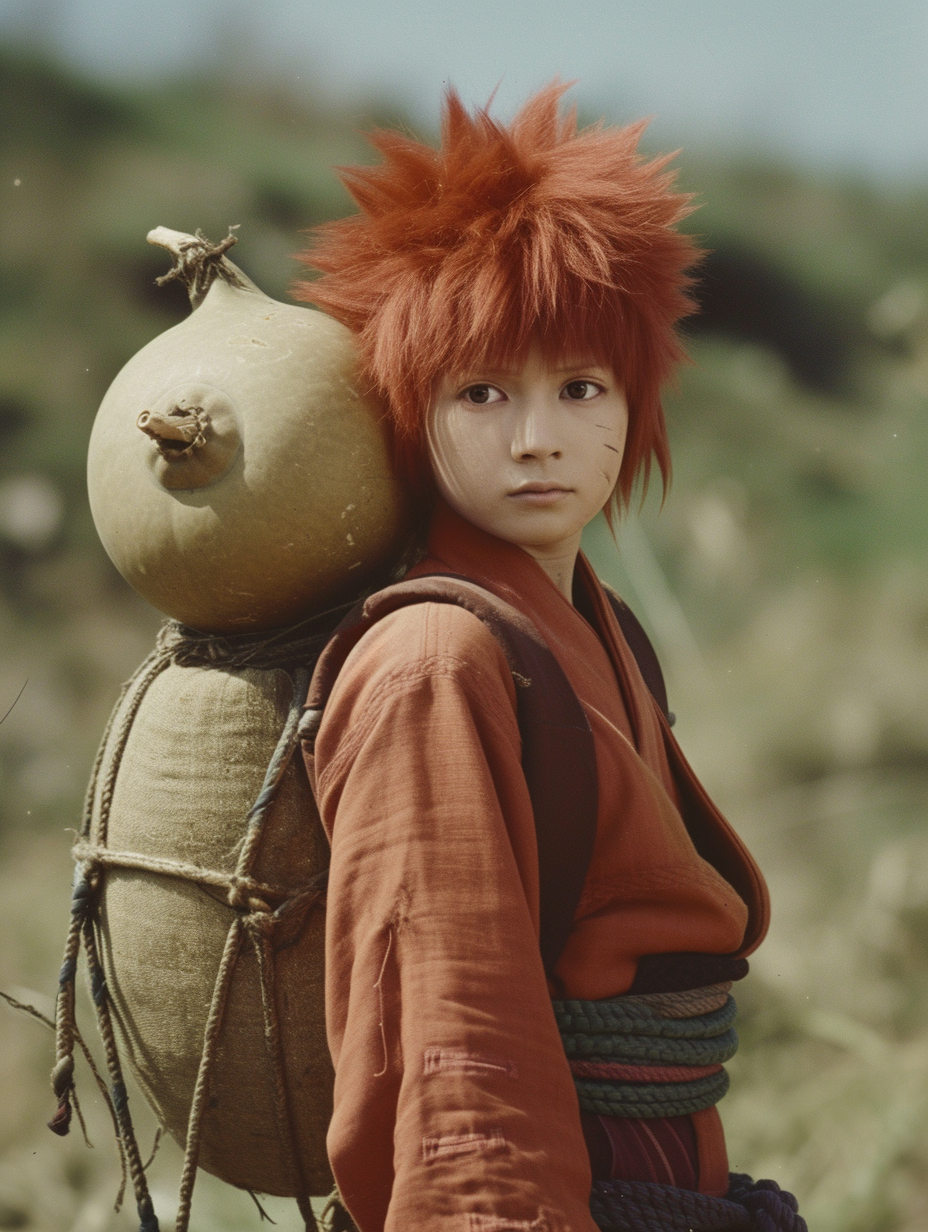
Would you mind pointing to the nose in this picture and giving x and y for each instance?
(535, 433)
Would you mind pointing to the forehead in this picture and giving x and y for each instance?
(534, 361)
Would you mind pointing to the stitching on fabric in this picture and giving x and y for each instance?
(499, 1223)
(379, 986)
(460, 1061)
(600, 891)
(403, 680)
(394, 684)
(462, 1144)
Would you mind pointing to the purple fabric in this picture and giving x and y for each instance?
(661, 1150)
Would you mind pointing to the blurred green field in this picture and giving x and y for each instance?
(785, 582)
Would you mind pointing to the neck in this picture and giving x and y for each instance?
(558, 562)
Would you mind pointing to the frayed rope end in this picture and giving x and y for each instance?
(61, 1122)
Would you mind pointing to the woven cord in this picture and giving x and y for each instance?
(288, 648)
(214, 1021)
(253, 920)
(81, 905)
(636, 1032)
(150, 667)
(283, 1110)
(651, 1099)
(252, 901)
(639, 1206)
(335, 1217)
(141, 682)
(749, 1206)
(634, 1016)
(261, 936)
(81, 928)
(148, 1221)
(65, 1026)
(282, 756)
(653, 1050)
(771, 1208)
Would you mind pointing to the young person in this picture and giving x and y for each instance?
(514, 295)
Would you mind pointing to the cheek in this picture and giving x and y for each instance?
(605, 449)
(455, 455)
(441, 457)
(619, 441)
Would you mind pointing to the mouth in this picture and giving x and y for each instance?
(540, 493)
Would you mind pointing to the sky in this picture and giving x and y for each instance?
(841, 83)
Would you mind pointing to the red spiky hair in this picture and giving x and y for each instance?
(501, 238)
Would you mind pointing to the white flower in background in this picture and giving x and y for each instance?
(31, 511)
(896, 311)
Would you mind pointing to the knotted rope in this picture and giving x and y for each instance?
(749, 1206)
(257, 905)
(81, 930)
(294, 646)
(198, 261)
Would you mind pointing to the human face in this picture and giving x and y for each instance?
(531, 453)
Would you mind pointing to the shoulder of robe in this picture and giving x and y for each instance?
(423, 640)
(412, 663)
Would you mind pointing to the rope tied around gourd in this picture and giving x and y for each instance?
(289, 648)
(662, 1055)
(197, 260)
(257, 906)
(63, 1071)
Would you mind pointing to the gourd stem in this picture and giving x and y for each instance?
(198, 262)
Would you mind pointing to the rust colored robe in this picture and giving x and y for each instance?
(455, 1110)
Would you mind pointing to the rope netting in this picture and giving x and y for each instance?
(256, 905)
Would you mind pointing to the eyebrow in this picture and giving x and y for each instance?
(488, 370)
(486, 374)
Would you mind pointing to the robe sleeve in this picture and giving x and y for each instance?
(455, 1110)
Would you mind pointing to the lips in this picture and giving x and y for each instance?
(541, 495)
(529, 488)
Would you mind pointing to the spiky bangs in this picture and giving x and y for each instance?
(504, 238)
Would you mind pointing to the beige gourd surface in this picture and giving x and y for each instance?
(240, 483)
(282, 504)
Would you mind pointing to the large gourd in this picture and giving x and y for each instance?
(237, 477)
(240, 481)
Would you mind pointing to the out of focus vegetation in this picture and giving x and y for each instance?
(785, 582)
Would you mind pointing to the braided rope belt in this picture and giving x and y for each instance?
(631, 1058)
(662, 1055)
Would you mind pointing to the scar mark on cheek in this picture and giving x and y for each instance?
(462, 1144)
(612, 447)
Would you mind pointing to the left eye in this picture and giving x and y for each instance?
(482, 395)
(582, 391)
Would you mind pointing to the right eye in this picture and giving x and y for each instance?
(482, 395)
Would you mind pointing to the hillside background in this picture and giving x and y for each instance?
(785, 582)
